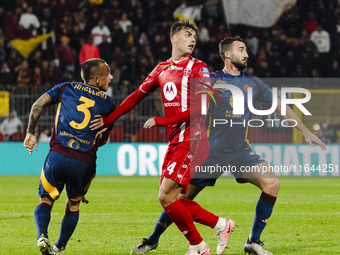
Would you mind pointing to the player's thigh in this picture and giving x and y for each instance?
(207, 174)
(176, 164)
(245, 165)
(53, 175)
(80, 175)
(263, 177)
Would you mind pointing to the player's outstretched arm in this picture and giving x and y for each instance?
(131, 101)
(309, 137)
(37, 107)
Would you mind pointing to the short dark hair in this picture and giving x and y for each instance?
(226, 43)
(183, 23)
(90, 68)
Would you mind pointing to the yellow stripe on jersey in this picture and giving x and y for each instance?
(57, 117)
(52, 191)
(246, 137)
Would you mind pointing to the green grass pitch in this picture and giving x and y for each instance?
(122, 210)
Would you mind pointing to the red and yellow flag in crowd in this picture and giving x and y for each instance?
(19, 38)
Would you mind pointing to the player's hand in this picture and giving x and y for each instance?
(310, 138)
(97, 123)
(30, 141)
(150, 123)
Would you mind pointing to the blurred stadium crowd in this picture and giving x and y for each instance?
(133, 36)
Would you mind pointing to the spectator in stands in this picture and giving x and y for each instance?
(47, 46)
(334, 71)
(89, 50)
(124, 23)
(25, 75)
(100, 32)
(29, 21)
(328, 134)
(310, 23)
(36, 78)
(117, 35)
(252, 42)
(11, 127)
(5, 76)
(66, 55)
(321, 39)
(105, 50)
(54, 73)
(203, 36)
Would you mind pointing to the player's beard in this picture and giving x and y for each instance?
(239, 65)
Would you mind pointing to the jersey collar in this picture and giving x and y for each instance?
(178, 61)
(229, 75)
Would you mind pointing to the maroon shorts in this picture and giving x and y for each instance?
(181, 160)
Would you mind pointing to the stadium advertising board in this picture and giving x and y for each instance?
(145, 159)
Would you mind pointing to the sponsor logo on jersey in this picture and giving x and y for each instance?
(204, 70)
(172, 104)
(245, 87)
(173, 67)
(187, 72)
(169, 91)
(206, 75)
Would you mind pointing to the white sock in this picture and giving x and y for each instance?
(199, 247)
(220, 225)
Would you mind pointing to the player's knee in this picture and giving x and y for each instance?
(271, 186)
(72, 205)
(47, 200)
(164, 200)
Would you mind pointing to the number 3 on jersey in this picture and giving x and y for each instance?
(171, 167)
(88, 103)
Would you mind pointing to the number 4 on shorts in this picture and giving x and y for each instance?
(171, 167)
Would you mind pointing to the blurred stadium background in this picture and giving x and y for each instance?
(44, 42)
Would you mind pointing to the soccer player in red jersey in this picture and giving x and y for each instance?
(188, 146)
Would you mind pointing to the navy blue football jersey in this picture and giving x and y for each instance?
(224, 137)
(78, 104)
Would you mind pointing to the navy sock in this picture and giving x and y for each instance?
(264, 209)
(42, 217)
(68, 225)
(162, 224)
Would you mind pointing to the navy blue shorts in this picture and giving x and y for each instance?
(237, 163)
(60, 170)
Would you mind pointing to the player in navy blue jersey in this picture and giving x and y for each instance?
(73, 146)
(229, 145)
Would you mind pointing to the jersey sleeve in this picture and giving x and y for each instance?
(56, 91)
(150, 83)
(264, 93)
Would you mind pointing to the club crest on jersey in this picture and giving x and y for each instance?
(169, 91)
(173, 67)
(204, 70)
(187, 72)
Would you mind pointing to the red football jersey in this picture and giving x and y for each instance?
(175, 78)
